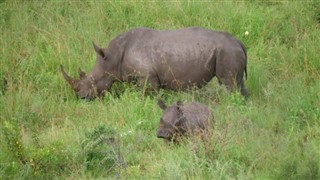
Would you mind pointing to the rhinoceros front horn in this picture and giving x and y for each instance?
(73, 82)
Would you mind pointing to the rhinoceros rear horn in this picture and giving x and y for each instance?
(98, 49)
(70, 80)
(81, 73)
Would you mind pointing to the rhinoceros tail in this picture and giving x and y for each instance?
(245, 53)
(245, 71)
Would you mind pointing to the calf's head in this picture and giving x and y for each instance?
(97, 81)
(170, 122)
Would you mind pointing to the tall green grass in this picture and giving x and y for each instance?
(45, 132)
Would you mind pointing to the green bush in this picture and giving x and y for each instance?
(101, 149)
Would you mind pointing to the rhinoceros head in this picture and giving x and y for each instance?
(170, 120)
(96, 82)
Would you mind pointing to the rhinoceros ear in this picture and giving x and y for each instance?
(179, 110)
(179, 118)
(161, 104)
(98, 49)
(81, 73)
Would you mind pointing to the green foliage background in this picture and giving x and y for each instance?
(45, 132)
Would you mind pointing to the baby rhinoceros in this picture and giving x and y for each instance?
(183, 120)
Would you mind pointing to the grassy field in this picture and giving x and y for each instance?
(47, 133)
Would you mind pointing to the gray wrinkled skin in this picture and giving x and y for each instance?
(170, 59)
(180, 120)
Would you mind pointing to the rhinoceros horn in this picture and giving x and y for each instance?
(81, 73)
(73, 82)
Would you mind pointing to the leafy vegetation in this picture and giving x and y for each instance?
(45, 132)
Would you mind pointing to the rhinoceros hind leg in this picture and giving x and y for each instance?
(240, 84)
(241, 87)
(228, 81)
(234, 83)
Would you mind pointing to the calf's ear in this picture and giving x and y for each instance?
(179, 110)
(179, 103)
(179, 118)
(161, 104)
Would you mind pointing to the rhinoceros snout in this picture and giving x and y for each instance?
(162, 133)
(86, 98)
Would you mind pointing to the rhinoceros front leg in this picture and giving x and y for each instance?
(154, 82)
(149, 83)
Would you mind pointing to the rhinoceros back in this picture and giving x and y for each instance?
(197, 116)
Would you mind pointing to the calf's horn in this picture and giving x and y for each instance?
(81, 73)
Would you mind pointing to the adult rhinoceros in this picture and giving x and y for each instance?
(170, 59)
